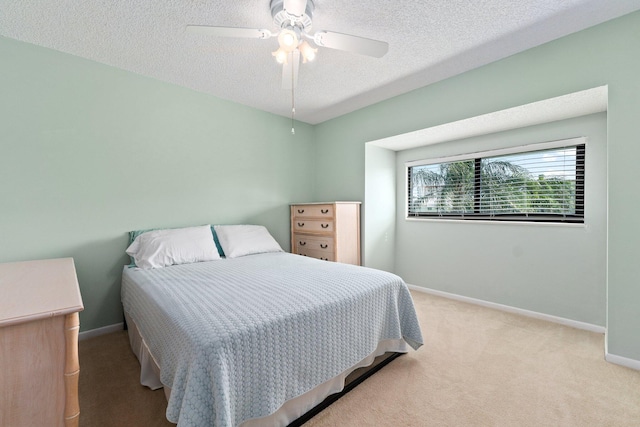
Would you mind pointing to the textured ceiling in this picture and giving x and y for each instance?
(429, 40)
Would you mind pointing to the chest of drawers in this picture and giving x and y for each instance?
(39, 326)
(329, 231)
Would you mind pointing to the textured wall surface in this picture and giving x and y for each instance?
(89, 152)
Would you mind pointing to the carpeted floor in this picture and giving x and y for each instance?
(478, 367)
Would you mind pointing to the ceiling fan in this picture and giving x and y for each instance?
(293, 21)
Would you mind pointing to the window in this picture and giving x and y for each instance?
(540, 183)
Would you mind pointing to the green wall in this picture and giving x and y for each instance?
(379, 213)
(606, 54)
(556, 269)
(89, 152)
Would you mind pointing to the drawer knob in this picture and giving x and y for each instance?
(302, 243)
(324, 225)
(300, 210)
(324, 259)
(324, 211)
(323, 246)
(301, 224)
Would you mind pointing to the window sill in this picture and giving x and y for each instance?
(480, 221)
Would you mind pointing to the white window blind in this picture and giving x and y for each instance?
(541, 182)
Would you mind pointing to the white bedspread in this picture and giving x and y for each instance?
(236, 338)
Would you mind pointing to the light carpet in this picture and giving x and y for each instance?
(478, 367)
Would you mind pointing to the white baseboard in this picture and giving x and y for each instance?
(622, 361)
(515, 310)
(100, 331)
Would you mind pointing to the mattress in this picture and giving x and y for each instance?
(235, 339)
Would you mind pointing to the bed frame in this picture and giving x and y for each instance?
(352, 381)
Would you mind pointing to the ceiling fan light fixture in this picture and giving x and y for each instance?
(308, 52)
(281, 55)
(288, 40)
(295, 40)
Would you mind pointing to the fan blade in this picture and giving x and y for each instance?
(350, 43)
(295, 7)
(292, 65)
(249, 33)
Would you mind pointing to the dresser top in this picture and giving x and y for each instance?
(33, 290)
(320, 203)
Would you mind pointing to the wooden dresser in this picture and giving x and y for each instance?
(328, 231)
(39, 343)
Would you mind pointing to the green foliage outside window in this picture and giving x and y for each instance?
(547, 185)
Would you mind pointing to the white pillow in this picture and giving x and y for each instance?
(241, 240)
(160, 248)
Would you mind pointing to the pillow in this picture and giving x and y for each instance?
(135, 233)
(161, 248)
(241, 240)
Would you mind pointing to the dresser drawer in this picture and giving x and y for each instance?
(323, 255)
(313, 225)
(326, 230)
(317, 243)
(311, 211)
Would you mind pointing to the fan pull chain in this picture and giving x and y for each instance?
(293, 103)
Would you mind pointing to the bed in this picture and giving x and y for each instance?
(263, 337)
